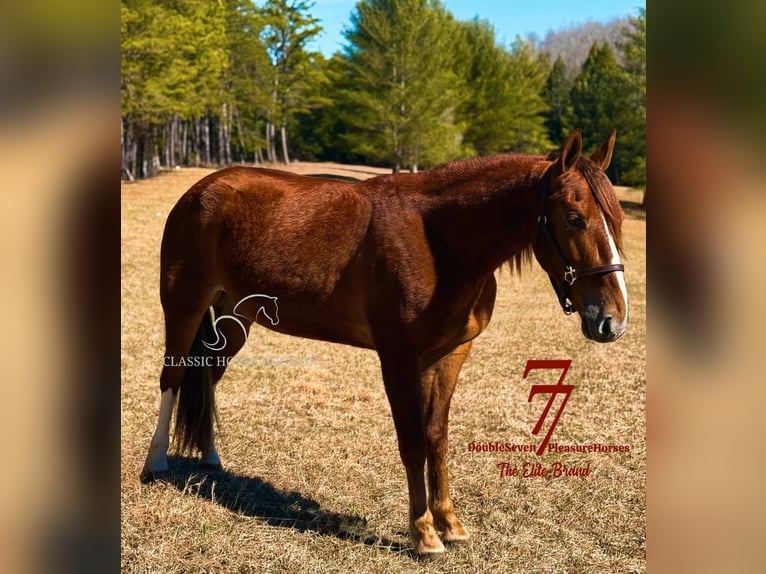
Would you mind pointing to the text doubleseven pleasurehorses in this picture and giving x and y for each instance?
(402, 264)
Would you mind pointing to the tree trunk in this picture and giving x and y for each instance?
(240, 137)
(197, 141)
(206, 139)
(184, 135)
(227, 134)
(173, 141)
(124, 150)
(272, 146)
(133, 153)
(286, 157)
(167, 142)
(155, 161)
(221, 153)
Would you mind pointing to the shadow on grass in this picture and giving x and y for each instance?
(253, 496)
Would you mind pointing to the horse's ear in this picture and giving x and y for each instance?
(603, 155)
(570, 151)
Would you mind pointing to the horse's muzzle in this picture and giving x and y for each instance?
(601, 326)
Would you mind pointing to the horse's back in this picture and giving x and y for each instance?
(273, 231)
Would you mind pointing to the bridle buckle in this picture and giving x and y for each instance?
(570, 275)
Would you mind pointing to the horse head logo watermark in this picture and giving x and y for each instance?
(268, 306)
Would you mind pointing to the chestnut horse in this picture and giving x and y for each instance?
(402, 264)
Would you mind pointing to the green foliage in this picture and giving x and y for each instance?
(227, 80)
(633, 49)
(163, 73)
(556, 95)
(606, 95)
(296, 73)
(249, 74)
(503, 110)
(400, 90)
(599, 101)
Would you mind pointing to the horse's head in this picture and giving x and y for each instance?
(579, 239)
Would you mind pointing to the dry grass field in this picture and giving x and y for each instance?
(312, 479)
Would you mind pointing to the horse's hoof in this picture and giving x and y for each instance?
(430, 546)
(456, 536)
(455, 541)
(211, 466)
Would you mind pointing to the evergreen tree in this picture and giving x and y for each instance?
(633, 49)
(248, 80)
(556, 95)
(503, 109)
(165, 75)
(600, 103)
(526, 106)
(401, 91)
(289, 26)
(322, 129)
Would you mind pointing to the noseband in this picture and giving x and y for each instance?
(570, 273)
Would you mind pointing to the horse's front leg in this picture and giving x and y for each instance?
(438, 384)
(403, 388)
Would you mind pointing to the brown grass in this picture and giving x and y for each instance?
(313, 481)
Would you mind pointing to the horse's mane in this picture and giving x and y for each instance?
(522, 258)
(525, 256)
(597, 180)
(604, 194)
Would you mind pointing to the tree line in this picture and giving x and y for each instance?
(215, 83)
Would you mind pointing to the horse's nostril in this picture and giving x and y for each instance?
(606, 326)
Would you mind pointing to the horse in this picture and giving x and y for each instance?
(402, 264)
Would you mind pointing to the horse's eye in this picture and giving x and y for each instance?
(576, 220)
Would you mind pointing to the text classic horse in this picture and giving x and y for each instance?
(402, 264)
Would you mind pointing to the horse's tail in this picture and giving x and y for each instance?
(196, 400)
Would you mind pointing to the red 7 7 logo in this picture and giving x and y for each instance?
(553, 390)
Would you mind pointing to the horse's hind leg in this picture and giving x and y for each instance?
(183, 318)
(235, 338)
(156, 460)
(438, 385)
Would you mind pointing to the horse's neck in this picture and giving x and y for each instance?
(484, 211)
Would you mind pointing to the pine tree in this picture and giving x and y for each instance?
(556, 95)
(633, 49)
(600, 103)
(503, 109)
(166, 76)
(247, 80)
(401, 92)
(289, 26)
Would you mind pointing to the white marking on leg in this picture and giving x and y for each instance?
(616, 260)
(157, 459)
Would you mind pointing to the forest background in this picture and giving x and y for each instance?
(215, 83)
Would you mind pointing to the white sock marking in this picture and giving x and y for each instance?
(156, 460)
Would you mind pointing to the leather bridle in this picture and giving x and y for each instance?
(570, 273)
